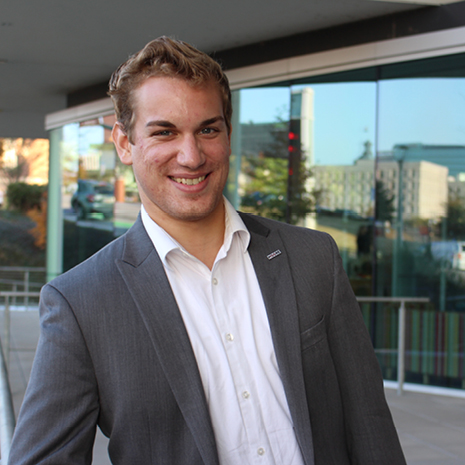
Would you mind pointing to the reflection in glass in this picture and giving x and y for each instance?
(93, 198)
(264, 152)
(344, 174)
(99, 193)
(277, 154)
(426, 145)
(394, 203)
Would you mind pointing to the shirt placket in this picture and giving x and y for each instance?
(244, 385)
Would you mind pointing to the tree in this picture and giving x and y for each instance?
(385, 207)
(268, 191)
(454, 222)
(31, 159)
(24, 197)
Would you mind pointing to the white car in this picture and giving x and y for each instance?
(458, 260)
(450, 253)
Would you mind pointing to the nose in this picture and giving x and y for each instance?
(190, 153)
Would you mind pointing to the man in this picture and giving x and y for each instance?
(201, 336)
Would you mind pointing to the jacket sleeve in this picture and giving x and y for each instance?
(371, 437)
(58, 417)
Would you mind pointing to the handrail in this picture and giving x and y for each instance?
(394, 299)
(7, 295)
(19, 294)
(7, 414)
(23, 268)
(401, 331)
(26, 282)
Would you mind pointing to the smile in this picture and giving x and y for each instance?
(188, 181)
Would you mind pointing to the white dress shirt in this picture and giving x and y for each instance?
(227, 324)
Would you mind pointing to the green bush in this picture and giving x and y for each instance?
(24, 197)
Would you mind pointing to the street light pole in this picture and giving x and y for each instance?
(399, 154)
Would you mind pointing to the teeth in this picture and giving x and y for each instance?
(189, 182)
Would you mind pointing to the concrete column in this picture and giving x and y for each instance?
(54, 208)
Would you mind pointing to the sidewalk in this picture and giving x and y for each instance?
(431, 427)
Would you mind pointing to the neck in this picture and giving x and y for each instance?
(202, 239)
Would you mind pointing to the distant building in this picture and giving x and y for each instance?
(258, 138)
(457, 187)
(452, 156)
(302, 110)
(351, 187)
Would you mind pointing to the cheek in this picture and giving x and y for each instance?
(226, 156)
(146, 160)
(220, 153)
(155, 157)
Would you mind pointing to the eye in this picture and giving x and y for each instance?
(208, 131)
(165, 132)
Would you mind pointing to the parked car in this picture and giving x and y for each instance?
(93, 197)
(451, 253)
(458, 260)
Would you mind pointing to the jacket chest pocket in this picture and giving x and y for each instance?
(313, 335)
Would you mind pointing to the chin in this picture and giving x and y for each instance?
(198, 214)
(194, 216)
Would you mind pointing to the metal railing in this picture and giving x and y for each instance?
(7, 414)
(18, 278)
(401, 330)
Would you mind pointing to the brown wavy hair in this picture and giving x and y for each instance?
(165, 57)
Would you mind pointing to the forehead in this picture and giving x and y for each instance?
(172, 92)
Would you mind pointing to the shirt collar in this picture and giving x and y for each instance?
(161, 240)
(164, 243)
(233, 225)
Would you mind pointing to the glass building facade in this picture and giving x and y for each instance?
(375, 156)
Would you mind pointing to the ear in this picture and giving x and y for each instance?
(122, 144)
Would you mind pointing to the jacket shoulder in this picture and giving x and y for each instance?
(265, 226)
(133, 246)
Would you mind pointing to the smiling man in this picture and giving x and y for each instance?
(201, 336)
(179, 149)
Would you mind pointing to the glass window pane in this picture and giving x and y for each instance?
(264, 127)
(422, 139)
(341, 160)
(99, 195)
(308, 159)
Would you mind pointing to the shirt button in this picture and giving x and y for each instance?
(215, 281)
(229, 337)
(245, 395)
(261, 451)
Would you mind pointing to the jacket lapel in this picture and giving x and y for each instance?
(272, 268)
(149, 287)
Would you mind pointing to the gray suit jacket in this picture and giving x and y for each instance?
(114, 352)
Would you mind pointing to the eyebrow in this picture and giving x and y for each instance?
(169, 124)
(162, 123)
(212, 121)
